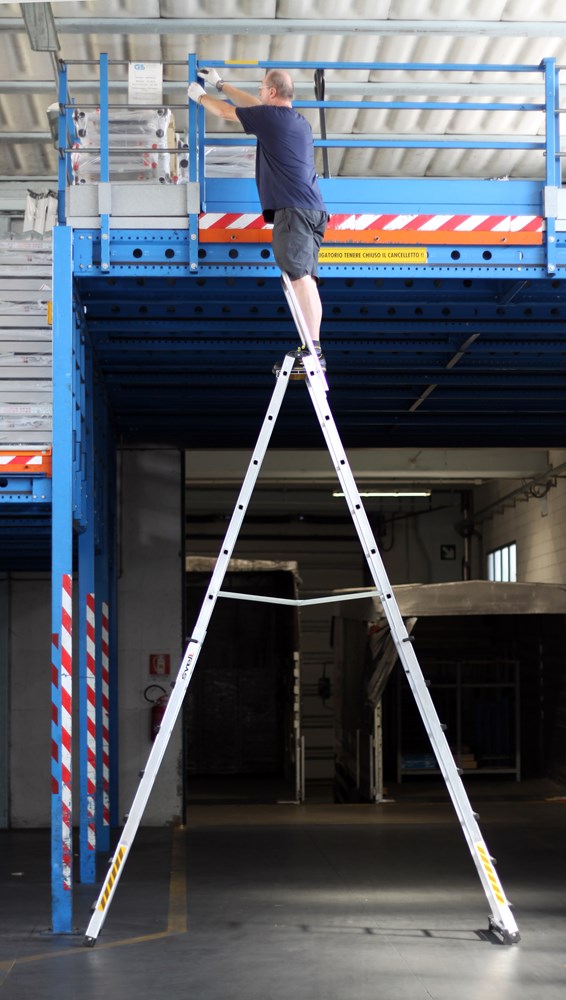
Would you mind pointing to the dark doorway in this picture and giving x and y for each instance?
(239, 731)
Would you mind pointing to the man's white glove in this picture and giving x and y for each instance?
(196, 92)
(211, 76)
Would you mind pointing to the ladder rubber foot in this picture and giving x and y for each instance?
(141, 774)
(476, 815)
(506, 937)
(443, 726)
(89, 942)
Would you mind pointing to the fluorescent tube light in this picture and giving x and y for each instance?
(390, 493)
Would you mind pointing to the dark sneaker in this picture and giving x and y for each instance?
(298, 370)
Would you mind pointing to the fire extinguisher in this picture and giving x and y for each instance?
(158, 702)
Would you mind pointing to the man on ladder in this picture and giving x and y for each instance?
(287, 183)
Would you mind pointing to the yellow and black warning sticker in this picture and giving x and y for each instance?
(112, 876)
(491, 874)
(373, 255)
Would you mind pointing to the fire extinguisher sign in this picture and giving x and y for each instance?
(159, 664)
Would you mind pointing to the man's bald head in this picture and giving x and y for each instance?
(282, 83)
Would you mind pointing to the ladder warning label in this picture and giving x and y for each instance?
(373, 255)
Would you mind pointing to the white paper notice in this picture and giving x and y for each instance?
(145, 83)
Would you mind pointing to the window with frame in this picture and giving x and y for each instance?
(502, 564)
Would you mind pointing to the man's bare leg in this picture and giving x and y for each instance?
(306, 290)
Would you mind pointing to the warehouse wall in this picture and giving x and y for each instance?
(30, 700)
(150, 603)
(538, 528)
(150, 600)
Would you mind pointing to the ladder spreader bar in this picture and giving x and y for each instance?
(298, 603)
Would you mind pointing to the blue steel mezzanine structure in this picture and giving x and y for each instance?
(168, 316)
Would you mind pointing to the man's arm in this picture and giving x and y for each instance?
(238, 97)
(221, 109)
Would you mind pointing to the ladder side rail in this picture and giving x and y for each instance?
(186, 668)
(302, 328)
(501, 914)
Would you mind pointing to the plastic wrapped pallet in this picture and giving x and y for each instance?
(220, 161)
(230, 161)
(140, 140)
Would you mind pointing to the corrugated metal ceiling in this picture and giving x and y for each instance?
(472, 31)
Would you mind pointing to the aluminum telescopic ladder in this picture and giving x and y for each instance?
(501, 920)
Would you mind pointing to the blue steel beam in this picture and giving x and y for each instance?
(25, 489)
(174, 387)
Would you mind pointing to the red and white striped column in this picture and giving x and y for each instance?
(91, 721)
(67, 731)
(105, 676)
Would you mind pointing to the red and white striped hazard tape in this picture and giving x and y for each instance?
(436, 223)
(213, 220)
(246, 226)
(25, 461)
(105, 717)
(67, 729)
(91, 721)
(420, 223)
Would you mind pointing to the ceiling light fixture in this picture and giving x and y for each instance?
(40, 26)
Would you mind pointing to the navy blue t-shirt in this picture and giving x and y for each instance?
(284, 166)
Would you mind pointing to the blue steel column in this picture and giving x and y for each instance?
(87, 753)
(196, 162)
(64, 119)
(551, 87)
(104, 165)
(62, 547)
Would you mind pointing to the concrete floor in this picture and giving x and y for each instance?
(319, 902)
